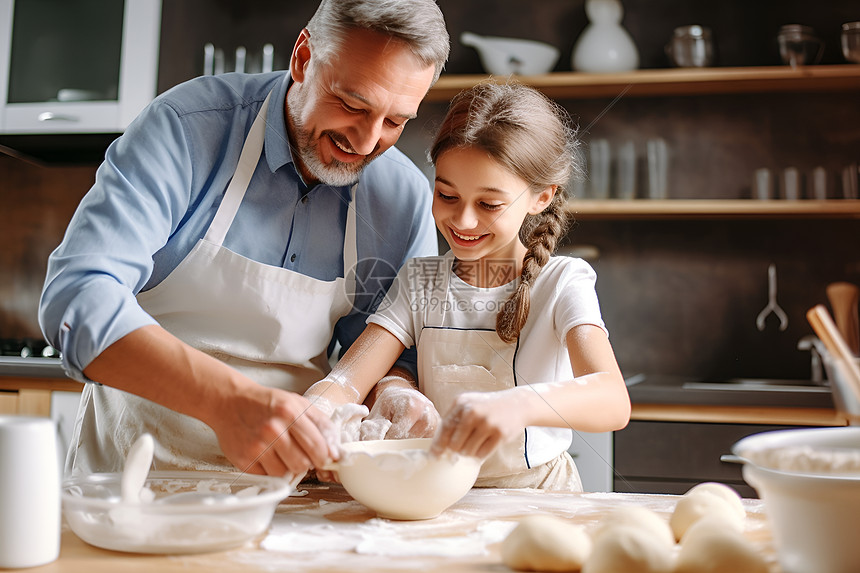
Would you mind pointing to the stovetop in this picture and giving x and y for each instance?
(27, 348)
(29, 357)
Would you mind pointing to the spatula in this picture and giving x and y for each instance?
(843, 299)
(136, 469)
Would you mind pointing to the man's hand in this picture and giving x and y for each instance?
(274, 432)
(259, 429)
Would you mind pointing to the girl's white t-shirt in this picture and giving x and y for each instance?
(562, 297)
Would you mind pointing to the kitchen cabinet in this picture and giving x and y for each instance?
(592, 453)
(670, 446)
(53, 398)
(672, 456)
(85, 67)
(26, 402)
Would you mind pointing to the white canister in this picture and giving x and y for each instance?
(29, 492)
(791, 184)
(762, 186)
(604, 46)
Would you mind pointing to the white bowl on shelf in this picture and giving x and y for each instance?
(506, 56)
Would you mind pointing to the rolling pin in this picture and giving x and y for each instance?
(843, 300)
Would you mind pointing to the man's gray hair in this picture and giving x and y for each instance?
(418, 23)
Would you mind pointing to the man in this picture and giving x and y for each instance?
(235, 230)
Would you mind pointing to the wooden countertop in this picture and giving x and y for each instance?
(34, 383)
(326, 531)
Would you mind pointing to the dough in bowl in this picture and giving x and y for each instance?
(400, 479)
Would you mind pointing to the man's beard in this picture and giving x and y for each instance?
(306, 147)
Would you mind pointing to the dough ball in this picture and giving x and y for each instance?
(635, 516)
(722, 490)
(546, 543)
(629, 549)
(694, 506)
(711, 547)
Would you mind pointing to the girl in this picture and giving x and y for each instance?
(512, 350)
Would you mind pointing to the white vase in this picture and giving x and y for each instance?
(604, 46)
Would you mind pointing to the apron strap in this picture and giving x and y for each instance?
(252, 150)
(350, 247)
(436, 313)
(248, 159)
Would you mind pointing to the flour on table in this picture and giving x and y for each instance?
(310, 537)
(304, 533)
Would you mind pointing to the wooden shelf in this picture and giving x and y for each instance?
(672, 82)
(583, 209)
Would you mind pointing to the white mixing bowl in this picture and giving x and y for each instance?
(814, 514)
(400, 479)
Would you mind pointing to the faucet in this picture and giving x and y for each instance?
(816, 348)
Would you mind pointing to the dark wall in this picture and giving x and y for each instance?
(744, 32)
(682, 297)
(679, 297)
(36, 204)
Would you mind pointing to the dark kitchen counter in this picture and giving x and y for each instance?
(663, 389)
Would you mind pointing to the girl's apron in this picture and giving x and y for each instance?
(270, 323)
(452, 361)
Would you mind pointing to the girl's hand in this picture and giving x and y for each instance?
(479, 422)
(411, 413)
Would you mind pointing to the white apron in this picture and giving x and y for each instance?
(452, 361)
(270, 323)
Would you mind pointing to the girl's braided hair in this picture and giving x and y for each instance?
(532, 136)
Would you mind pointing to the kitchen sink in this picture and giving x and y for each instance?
(777, 392)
